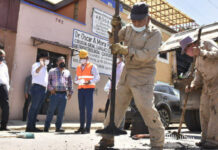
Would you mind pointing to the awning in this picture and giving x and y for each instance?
(208, 32)
(38, 41)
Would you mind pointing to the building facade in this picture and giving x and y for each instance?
(57, 28)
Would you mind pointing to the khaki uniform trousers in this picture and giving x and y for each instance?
(209, 118)
(144, 100)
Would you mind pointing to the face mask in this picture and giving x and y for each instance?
(2, 58)
(118, 61)
(83, 61)
(62, 65)
(138, 29)
(47, 62)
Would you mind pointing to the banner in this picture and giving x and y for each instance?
(101, 23)
(99, 52)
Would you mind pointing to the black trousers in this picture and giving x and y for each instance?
(4, 105)
(106, 107)
(26, 107)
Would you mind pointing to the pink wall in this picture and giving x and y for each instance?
(40, 23)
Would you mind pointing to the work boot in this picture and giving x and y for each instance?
(60, 130)
(200, 144)
(33, 130)
(104, 144)
(80, 130)
(86, 131)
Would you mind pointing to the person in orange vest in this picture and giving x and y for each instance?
(87, 76)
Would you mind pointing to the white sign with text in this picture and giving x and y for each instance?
(101, 23)
(99, 52)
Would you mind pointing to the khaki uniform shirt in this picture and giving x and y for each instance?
(206, 73)
(143, 47)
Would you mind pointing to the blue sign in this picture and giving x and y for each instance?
(112, 3)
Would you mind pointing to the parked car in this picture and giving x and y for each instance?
(167, 102)
(192, 115)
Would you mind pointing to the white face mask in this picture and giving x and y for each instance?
(83, 61)
(138, 29)
(47, 62)
(118, 61)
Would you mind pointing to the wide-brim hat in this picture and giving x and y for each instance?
(185, 42)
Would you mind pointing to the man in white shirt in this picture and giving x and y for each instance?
(38, 90)
(107, 88)
(4, 88)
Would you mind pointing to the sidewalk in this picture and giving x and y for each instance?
(21, 125)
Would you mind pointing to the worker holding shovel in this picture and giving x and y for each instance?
(141, 44)
(206, 76)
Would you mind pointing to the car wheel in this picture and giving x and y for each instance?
(192, 120)
(165, 117)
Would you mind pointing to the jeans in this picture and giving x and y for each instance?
(56, 101)
(4, 105)
(85, 97)
(38, 96)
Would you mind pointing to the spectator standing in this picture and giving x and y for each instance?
(60, 81)
(87, 76)
(38, 90)
(4, 88)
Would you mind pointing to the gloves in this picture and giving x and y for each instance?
(119, 49)
(111, 37)
(116, 21)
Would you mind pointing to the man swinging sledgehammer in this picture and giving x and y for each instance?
(141, 44)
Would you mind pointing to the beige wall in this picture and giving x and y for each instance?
(39, 23)
(164, 68)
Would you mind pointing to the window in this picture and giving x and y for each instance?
(76, 10)
(52, 57)
(68, 8)
(163, 57)
(164, 89)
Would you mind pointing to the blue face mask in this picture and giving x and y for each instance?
(138, 29)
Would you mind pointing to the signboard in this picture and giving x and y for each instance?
(112, 3)
(99, 52)
(101, 23)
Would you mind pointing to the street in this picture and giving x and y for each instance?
(71, 141)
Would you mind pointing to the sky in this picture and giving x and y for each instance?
(202, 11)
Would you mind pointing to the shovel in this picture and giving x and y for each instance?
(178, 134)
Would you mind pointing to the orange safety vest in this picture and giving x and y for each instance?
(86, 75)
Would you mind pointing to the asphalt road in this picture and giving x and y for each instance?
(71, 141)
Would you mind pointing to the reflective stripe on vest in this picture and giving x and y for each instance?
(85, 75)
